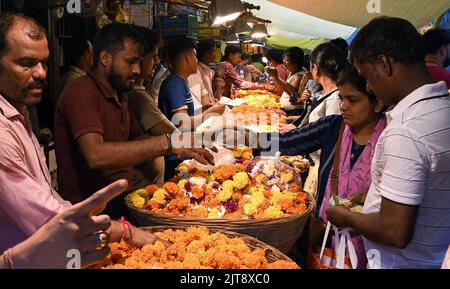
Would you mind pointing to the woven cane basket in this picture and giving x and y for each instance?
(280, 233)
(271, 253)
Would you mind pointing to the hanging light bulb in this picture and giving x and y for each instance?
(242, 27)
(224, 11)
(259, 31)
(232, 38)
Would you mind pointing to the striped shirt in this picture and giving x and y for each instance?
(411, 166)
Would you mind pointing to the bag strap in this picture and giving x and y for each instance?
(335, 169)
(317, 103)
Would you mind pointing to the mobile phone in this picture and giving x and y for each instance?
(310, 84)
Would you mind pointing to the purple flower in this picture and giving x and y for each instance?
(198, 201)
(188, 186)
(231, 206)
(216, 185)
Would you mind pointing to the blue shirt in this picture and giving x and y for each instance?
(175, 96)
(322, 134)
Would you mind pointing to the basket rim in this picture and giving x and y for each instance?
(311, 207)
(229, 234)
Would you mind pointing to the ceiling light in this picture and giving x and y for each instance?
(224, 11)
(243, 28)
(259, 31)
(232, 38)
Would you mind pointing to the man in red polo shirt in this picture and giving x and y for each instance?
(97, 138)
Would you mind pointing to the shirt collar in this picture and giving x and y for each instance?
(106, 89)
(429, 90)
(77, 70)
(204, 66)
(8, 110)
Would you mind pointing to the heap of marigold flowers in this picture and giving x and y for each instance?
(193, 248)
(241, 191)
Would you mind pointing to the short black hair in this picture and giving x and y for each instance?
(75, 48)
(341, 44)
(393, 37)
(351, 76)
(275, 54)
(205, 46)
(152, 38)
(329, 59)
(433, 40)
(178, 46)
(246, 56)
(256, 58)
(112, 37)
(232, 49)
(7, 20)
(296, 55)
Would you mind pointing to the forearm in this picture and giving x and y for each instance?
(111, 155)
(372, 227)
(288, 88)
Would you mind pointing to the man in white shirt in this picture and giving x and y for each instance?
(406, 216)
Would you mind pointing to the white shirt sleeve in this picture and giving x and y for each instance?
(405, 169)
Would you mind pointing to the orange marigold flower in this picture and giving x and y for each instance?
(198, 192)
(173, 189)
(225, 173)
(151, 189)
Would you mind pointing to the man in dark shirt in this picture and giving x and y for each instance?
(96, 135)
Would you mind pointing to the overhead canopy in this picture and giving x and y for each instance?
(284, 43)
(355, 12)
(292, 24)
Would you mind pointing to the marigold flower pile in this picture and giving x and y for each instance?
(193, 248)
(246, 190)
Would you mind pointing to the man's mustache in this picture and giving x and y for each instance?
(38, 84)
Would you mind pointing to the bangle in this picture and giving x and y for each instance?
(8, 258)
(125, 224)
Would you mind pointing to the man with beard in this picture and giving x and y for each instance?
(437, 49)
(27, 199)
(97, 138)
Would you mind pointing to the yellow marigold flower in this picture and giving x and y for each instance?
(137, 200)
(183, 168)
(287, 176)
(250, 209)
(160, 196)
(240, 180)
(214, 214)
(228, 185)
(181, 183)
(142, 192)
(210, 178)
(258, 197)
(224, 195)
(247, 155)
(273, 212)
(237, 153)
(289, 195)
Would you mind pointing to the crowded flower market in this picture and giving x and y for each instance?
(225, 134)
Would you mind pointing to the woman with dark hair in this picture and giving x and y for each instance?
(293, 60)
(356, 133)
(326, 63)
